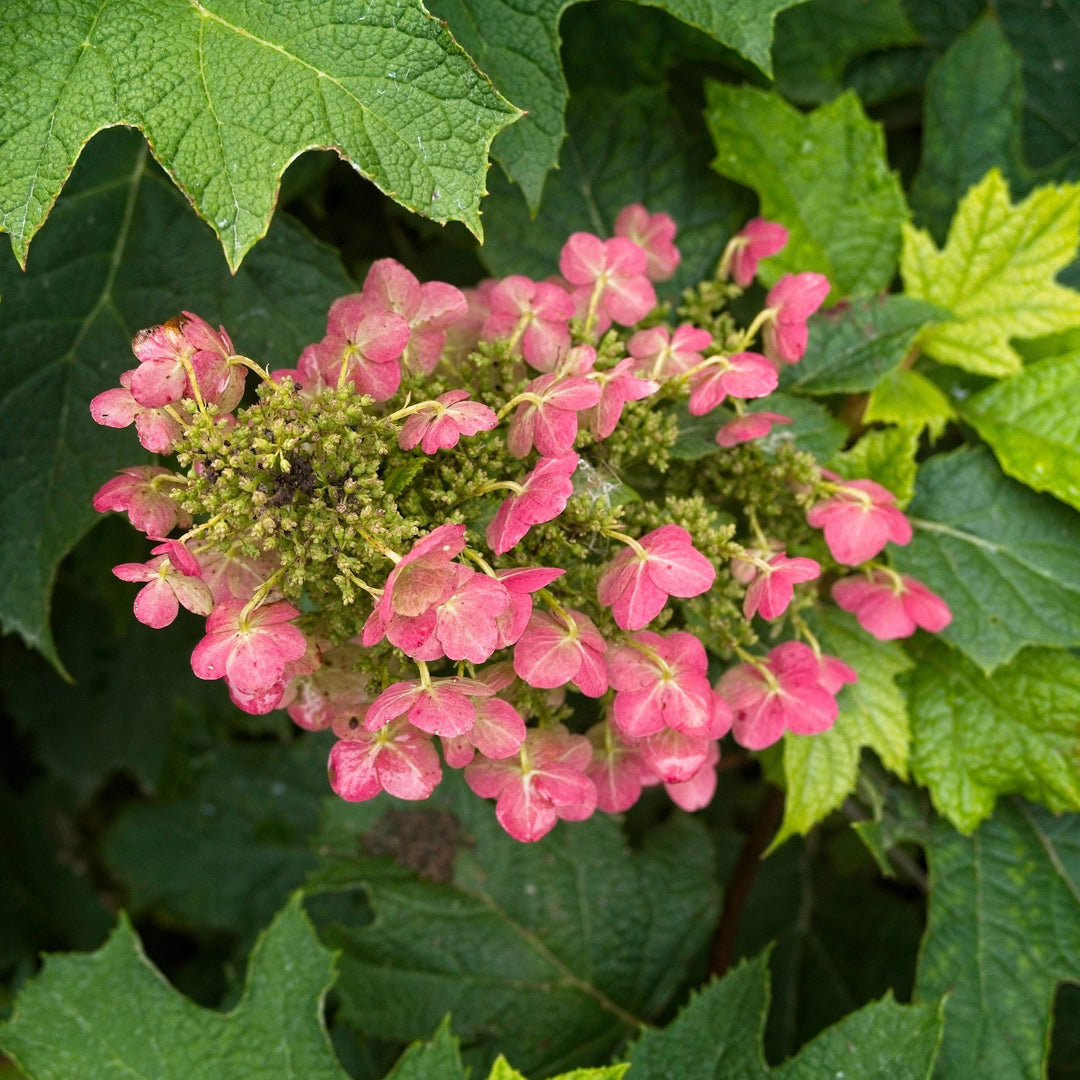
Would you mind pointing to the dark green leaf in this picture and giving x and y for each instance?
(1004, 559)
(622, 147)
(517, 44)
(816, 42)
(229, 93)
(548, 952)
(971, 122)
(854, 346)
(225, 854)
(1003, 930)
(975, 737)
(109, 264)
(823, 175)
(111, 1015)
(718, 1037)
(436, 1059)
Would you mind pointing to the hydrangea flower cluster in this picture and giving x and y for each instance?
(463, 508)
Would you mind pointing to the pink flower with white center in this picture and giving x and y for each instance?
(260, 702)
(543, 497)
(466, 623)
(662, 682)
(116, 408)
(444, 421)
(673, 757)
(248, 648)
(655, 235)
(615, 770)
(743, 375)
(638, 581)
(749, 427)
(428, 309)
(318, 699)
(697, 792)
(396, 759)
(793, 299)
(235, 577)
(773, 588)
(499, 729)
(137, 492)
(362, 347)
(166, 353)
(547, 418)
(558, 649)
(521, 582)
(545, 781)
(858, 520)
(437, 706)
(617, 387)
(756, 240)
(534, 315)
(167, 588)
(781, 693)
(660, 353)
(610, 275)
(890, 605)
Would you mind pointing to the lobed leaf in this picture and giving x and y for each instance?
(996, 274)
(909, 398)
(886, 456)
(228, 93)
(823, 175)
(1004, 559)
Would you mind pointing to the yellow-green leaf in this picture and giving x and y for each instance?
(908, 397)
(996, 273)
(886, 456)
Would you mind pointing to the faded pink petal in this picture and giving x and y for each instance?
(749, 427)
(654, 234)
(756, 240)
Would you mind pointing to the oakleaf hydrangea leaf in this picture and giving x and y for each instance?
(502, 1070)
(1004, 558)
(717, 1036)
(437, 1058)
(110, 1015)
(517, 44)
(852, 347)
(886, 456)
(823, 175)
(975, 737)
(551, 953)
(971, 122)
(229, 92)
(1003, 930)
(908, 397)
(98, 276)
(1032, 422)
(821, 771)
(996, 273)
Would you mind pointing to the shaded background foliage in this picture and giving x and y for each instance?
(127, 784)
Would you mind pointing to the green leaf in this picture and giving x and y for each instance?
(1048, 46)
(814, 430)
(909, 398)
(435, 1059)
(517, 44)
(886, 456)
(821, 771)
(229, 93)
(111, 1015)
(97, 276)
(1003, 558)
(853, 347)
(623, 147)
(547, 952)
(975, 737)
(816, 42)
(971, 122)
(823, 175)
(1003, 929)
(225, 854)
(1032, 422)
(996, 274)
(718, 1037)
(501, 1070)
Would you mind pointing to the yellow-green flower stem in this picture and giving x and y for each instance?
(392, 555)
(735, 244)
(756, 663)
(251, 365)
(425, 675)
(183, 421)
(804, 631)
(526, 396)
(437, 407)
(499, 485)
(719, 360)
(261, 593)
(628, 540)
(162, 479)
(560, 611)
(896, 579)
(194, 382)
(755, 528)
(361, 584)
(831, 487)
(594, 304)
(647, 650)
(522, 325)
(480, 561)
(208, 524)
(760, 319)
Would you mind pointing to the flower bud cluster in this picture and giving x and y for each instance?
(458, 510)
